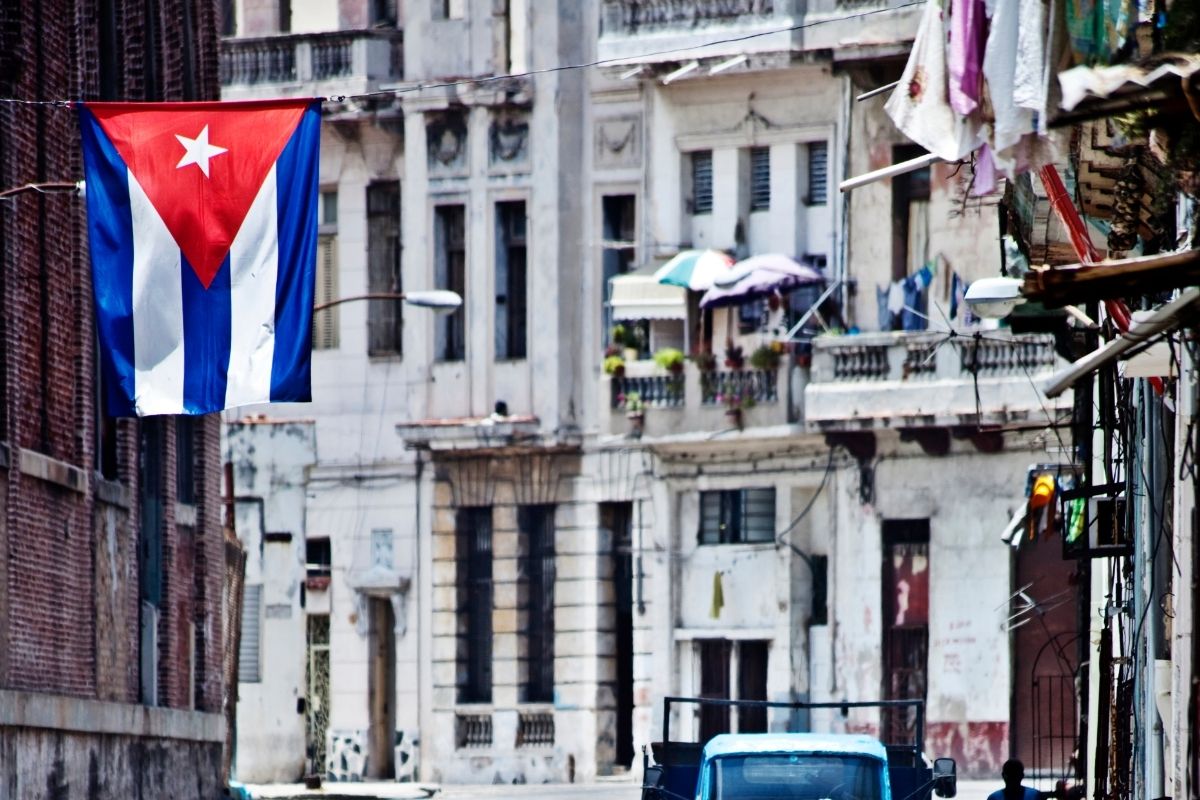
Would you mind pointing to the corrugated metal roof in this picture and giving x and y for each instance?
(1080, 85)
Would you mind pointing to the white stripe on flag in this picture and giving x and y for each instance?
(157, 310)
(254, 271)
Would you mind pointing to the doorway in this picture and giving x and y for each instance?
(381, 688)
(905, 624)
(617, 519)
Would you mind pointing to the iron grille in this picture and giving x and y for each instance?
(760, 178)
(385, 321)
(737, 516)
(702, 182)
(537, 525)
(818, 173)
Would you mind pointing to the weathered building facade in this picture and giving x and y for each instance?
(112, 559)
(516, 563)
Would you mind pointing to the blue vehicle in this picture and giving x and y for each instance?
(795, 766)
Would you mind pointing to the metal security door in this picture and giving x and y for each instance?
(316, 681)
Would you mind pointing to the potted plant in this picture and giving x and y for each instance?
(670, 359)
(766, 356)
(635, 411)
(614, 365)
(631, 340)
(735, 356)
(704, 360)
(737, 397)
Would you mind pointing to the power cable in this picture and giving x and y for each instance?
(599, 62)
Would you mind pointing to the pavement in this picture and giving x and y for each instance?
(623, 788)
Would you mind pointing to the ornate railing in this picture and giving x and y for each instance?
(757, 385)
(535, 729)
(632, 16)
(991, 357)
(290, 58)
(855, 362)
(473, 730)
(906, 356)
(258, 61)
(654, 391)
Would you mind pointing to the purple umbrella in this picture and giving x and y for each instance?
(758, 277)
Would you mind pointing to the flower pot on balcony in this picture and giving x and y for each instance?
(637, 423)
(631, 354)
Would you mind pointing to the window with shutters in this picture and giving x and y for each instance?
(702, 182)
(760, 178)
(818, 173)
(385, 322)
(511, 281)
(737, 516)
(249, 662)
(450, 263)
(473, 527)
(326, 322)
(536, 592)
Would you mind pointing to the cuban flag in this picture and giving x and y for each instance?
(202, 225)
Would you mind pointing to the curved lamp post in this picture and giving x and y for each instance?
(440, 300)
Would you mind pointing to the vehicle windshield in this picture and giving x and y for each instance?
(794, 776)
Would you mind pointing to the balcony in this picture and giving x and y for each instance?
(923, 380)
(697, 401)
(306, 64)
(631, 28)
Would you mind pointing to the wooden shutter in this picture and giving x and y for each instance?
(248, 648)
(325, 323)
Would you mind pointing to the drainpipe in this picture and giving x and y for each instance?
(842, 223)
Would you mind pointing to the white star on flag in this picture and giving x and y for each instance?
(199, 151)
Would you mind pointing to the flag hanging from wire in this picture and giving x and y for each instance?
(202, 227)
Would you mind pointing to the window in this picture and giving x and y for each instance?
(536, 575)
(740, 515)
(473, 528)
(185, 460)
(326, 322)
(385, 321)
(511, 286)
(618, 237)
(818, 173)
(451, 273)
(383, 12)
(760, 178)
(318, 557)
(285, 16)
(106, 459)
(702, 182)
(449, 9)
(112, 84)
(249, 668)
(910, 215)
(228, 18)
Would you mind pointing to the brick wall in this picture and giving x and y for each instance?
(69, 590)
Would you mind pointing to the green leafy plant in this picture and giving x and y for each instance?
(704, 360)
(614, 365)
(670, 359)
(618, 334)
(766, 356)
(631, 402)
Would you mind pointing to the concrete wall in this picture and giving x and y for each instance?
(269, 468)
(59, 748)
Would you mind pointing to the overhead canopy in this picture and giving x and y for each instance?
(639, 296)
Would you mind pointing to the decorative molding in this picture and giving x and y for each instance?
(619, 142)
(114, 493)
(446, 141)
(508, 138)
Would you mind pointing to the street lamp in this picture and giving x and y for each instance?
(441, 301)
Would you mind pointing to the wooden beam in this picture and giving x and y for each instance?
(1081, 283)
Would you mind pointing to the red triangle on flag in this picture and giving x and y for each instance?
(169, 148)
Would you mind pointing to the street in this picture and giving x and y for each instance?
(608, 790)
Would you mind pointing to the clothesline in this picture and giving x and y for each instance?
(600, 62)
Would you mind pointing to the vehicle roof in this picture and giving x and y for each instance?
(839, 743)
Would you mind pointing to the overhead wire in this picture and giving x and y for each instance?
(598, 62)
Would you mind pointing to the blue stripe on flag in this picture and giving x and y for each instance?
(207, 337)
(296, 192)
(110, 234)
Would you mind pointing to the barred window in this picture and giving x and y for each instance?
(536, 524)
(385, 321)
(702, 182)
(760, 178)
(737, 516)
(474, 587)
(818, 173)
(450, 261)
